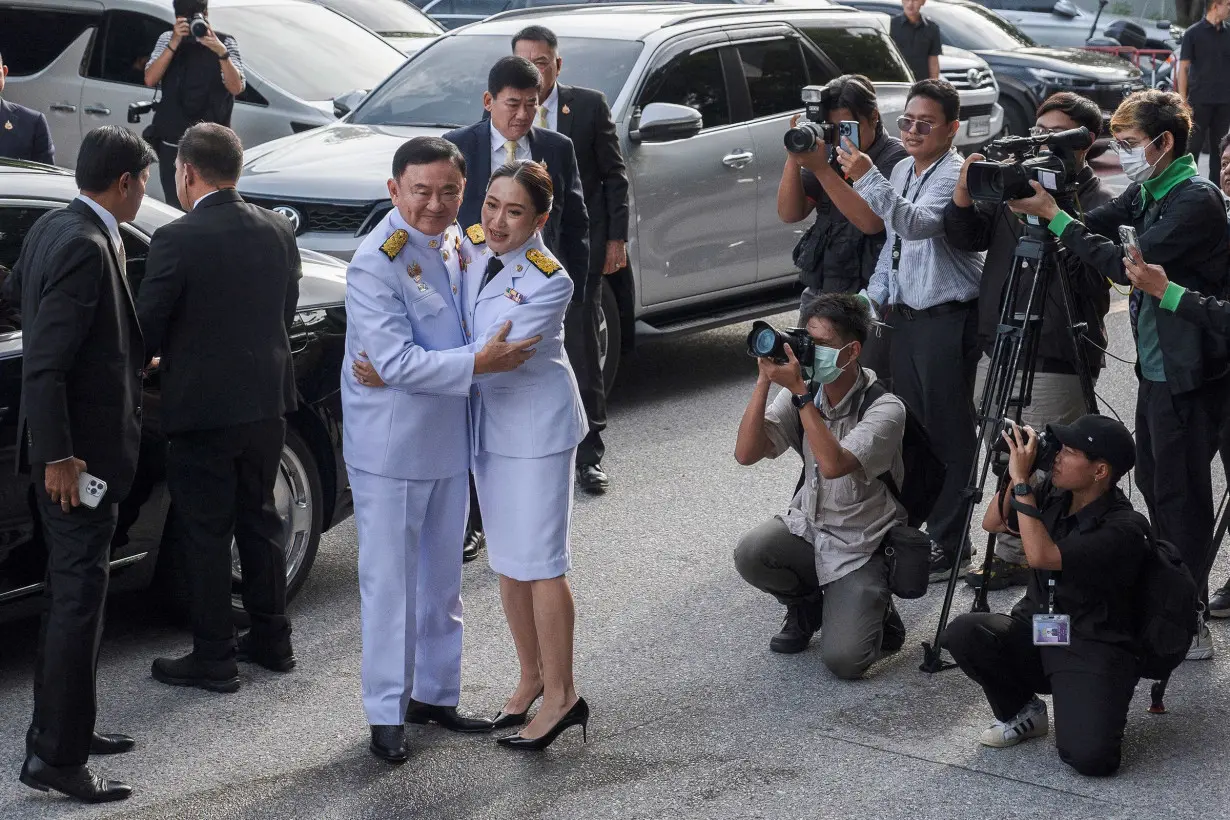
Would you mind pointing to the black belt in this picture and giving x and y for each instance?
(944, 309)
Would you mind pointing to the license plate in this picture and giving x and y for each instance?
(980, 126)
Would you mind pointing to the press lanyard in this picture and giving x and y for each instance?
(917, 193)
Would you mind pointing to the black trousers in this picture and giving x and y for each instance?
(1211, 122)
(1176, 439)
(221, 484)
(166, 172)
(581, 345)
(78, 568)
(1090, 698)
(934, 358)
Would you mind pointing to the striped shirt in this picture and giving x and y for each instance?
(930, 271)
(232, 48)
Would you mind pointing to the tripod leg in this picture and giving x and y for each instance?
(1157, 693)
(980, 592)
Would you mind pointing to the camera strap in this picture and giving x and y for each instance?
(917, 193)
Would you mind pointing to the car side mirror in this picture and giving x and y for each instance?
(343, 104)
(663, 122)
(1065, 8)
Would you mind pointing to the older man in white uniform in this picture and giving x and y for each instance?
(407, 447)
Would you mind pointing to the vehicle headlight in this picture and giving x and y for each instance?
(1054, 79)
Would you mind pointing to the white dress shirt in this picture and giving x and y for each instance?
(499, 155)
(205, 197)
(113, 227)
(551, 103)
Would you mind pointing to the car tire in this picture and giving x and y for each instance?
(610, 335)
(300, 503)
(1016, 122)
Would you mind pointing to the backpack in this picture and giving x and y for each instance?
(923, 467)
(1166, 615)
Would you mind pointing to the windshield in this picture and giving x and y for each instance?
(443, 85)
(307, 50)
(389, 18)
(975, 28)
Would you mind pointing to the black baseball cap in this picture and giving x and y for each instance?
(1099, 437)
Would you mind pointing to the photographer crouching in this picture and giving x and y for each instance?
(1178, 220)
(1073, 634)
(979, 226)
(838, 252)
(822, 557)
(200, 74)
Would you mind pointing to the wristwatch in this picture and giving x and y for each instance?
(803, 399)
(1023, 489)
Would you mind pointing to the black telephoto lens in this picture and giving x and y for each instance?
(198, 27)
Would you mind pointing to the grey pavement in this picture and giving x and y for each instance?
(693, 717)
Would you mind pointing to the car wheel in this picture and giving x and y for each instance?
(1016, 122)
(610, 335)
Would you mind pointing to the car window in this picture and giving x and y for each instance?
(388, 18)
(440, 86)
(470, 8)
(31, 40)
(305, 49)
(120, 54)
(775, 74)
(695, 80)
(15, 223)
(975, 28)
(1043, 6)
(865, 51)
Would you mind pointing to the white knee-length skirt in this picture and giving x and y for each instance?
(527, 512)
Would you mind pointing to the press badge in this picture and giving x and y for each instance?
(1052, 629)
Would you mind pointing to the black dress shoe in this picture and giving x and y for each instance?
(276, 656)
(215, 676)
(474, 543)
(578, 715)
(389, 743)
(75, 781)
(592, 479)
(446, 716)
(111, 744)
(507, 720)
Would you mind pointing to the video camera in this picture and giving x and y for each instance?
(1048, 158)
(813, 129)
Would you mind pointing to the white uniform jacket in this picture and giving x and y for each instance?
(536, 409)
(404, 308)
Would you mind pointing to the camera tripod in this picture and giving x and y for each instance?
(1013, 363)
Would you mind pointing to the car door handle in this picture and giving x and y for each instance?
(738, 158)
(100, 110)
(63, 108)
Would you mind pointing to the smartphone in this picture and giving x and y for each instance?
(1128, 238)
(848, 129)
(91, 489)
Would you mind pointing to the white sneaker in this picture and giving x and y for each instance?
(1202, 645)
(1031, 721)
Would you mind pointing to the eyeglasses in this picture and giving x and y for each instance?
(1038, 131)
(919, 127)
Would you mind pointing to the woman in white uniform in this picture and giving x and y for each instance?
(527, 425)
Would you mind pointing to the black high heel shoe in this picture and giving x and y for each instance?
(507, 720)
(578, 715)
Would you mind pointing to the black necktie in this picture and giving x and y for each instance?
(494, 266)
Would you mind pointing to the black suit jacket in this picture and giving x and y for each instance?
(584, 117)
(24, 134)
(81, 346)
(567, 231)
(220, 292)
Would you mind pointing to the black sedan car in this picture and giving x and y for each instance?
(312, 492)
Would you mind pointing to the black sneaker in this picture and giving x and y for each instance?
(1219, 602)
(1004, 574)
(941, 563)
(802, 621)
(894, 631)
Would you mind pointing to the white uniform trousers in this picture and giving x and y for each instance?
(410, 536)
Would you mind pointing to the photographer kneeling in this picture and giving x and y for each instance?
(979, 226)
(822, 557)
(1073, 633)
(838, 252)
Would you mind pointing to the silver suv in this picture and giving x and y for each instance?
(701, 96)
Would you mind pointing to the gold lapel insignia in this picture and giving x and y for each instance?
(8, 125)
(476, 235)
(541, 261)
(444, 253)
(464, 260)
(393, 245)
(565, 110)
(520, 268)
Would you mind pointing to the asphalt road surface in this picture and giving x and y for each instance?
(693, 717)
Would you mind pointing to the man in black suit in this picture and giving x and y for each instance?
(582, 115)
(23, 131)
(220, 292)
(508, 134)
(80, 410)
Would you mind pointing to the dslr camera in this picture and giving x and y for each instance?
(767, 342)
(198, 27)
(1048, 446)
(813, 129)
(1050, 159)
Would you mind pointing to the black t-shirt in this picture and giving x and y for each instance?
(1208, 48)
(1102, 548)
(916, 42)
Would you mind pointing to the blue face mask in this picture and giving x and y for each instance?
(824, 367)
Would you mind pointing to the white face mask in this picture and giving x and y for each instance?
(1135, 166)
